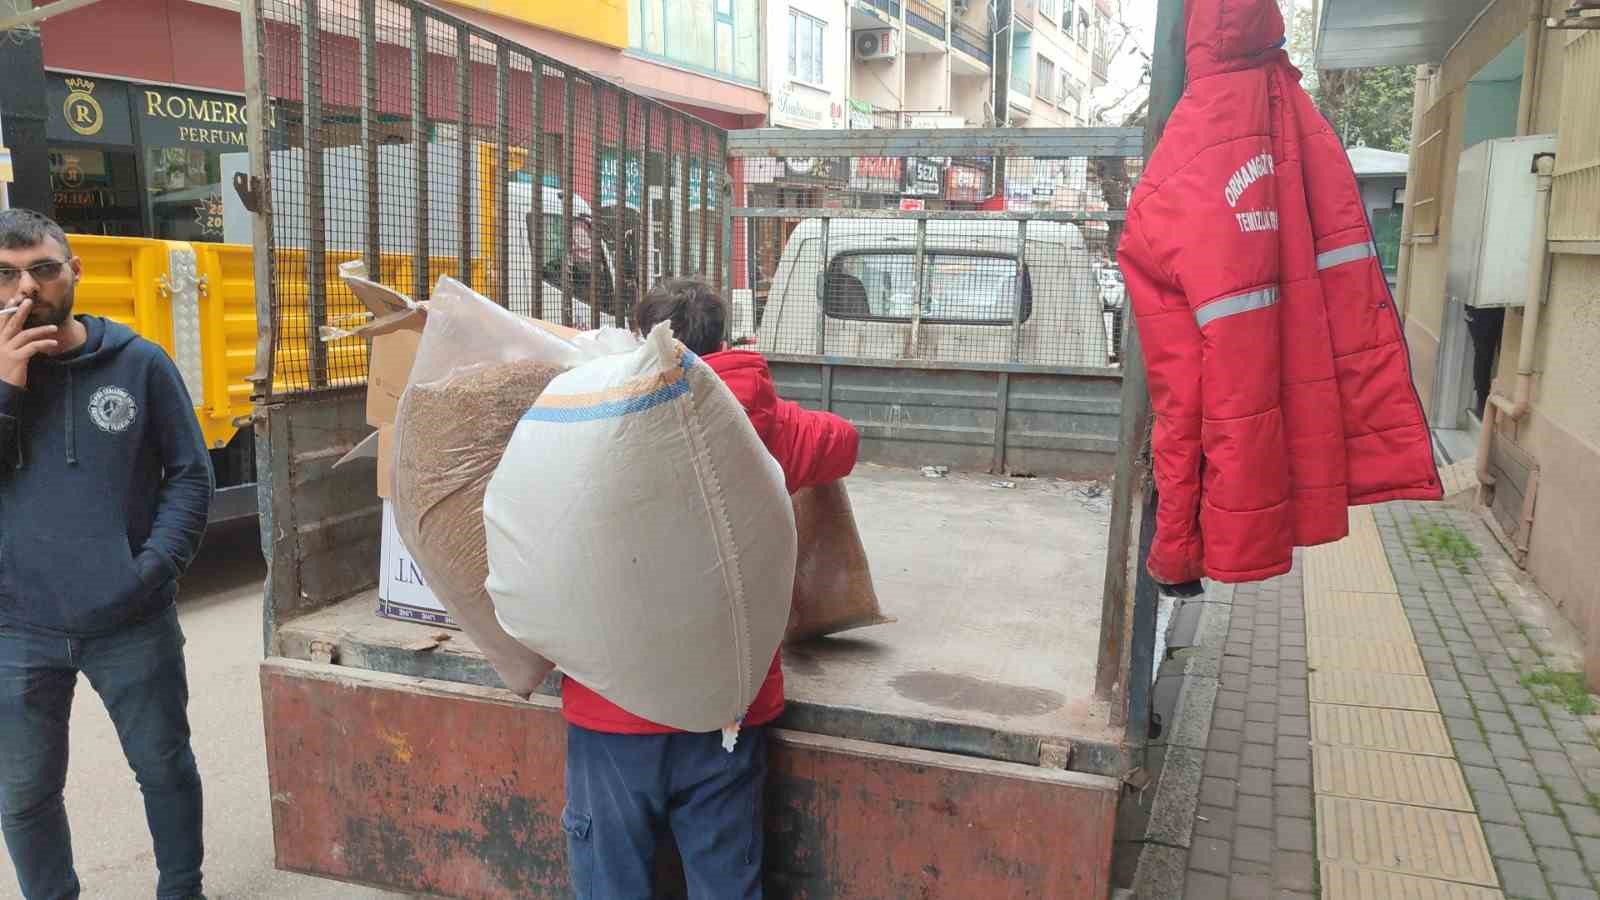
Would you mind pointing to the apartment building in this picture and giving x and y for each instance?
(1058, 55)
(921, 64)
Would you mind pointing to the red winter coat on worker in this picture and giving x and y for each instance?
(812, 448)
(1279, 377)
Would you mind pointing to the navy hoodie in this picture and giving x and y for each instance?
(105, 486)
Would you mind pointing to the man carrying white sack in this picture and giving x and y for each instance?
(626, 776)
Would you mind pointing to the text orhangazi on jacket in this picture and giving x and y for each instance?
(1255, 169)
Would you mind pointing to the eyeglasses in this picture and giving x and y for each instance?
(42, 272)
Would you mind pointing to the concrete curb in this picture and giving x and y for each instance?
(1194, 658)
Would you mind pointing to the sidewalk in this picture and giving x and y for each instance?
(1396, 719)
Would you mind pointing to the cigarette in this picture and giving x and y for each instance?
(9, 310)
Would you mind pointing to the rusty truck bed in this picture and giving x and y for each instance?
(996, 592)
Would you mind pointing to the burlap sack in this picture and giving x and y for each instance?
(833, 589)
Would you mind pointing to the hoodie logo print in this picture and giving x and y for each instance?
(112, 409)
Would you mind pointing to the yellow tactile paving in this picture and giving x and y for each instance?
(1394, 815)
(1409, 840)
(1372, 689)
(1392, 657)
(1402, 730)
(1432, 781)
(1350, 883)
(1357, 563)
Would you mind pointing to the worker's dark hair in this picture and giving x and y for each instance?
(694, 309)
(21, 228)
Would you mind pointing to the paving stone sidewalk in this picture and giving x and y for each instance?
(1421, 740)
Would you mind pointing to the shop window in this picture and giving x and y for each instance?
(185, 193)
(96, 191)
(1575, 197)
(717, 37)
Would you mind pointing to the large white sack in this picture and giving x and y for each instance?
(641, 538)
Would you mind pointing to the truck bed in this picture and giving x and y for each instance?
(996, 591)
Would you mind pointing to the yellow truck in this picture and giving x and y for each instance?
(198, 302)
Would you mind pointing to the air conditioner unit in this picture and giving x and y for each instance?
(961, 7)
(876, 43)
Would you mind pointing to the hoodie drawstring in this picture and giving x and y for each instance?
(72, 423)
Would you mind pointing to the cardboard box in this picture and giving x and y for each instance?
(402, 591)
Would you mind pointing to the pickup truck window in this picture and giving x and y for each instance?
(962, 289)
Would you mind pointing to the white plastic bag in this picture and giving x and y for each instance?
(448, 436)
(640, 537)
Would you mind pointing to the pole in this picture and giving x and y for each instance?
(1125, 650)
(5, 189)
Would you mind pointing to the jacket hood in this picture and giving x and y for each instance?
(1229, 35)
(104, 340)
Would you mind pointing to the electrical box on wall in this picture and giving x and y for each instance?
(1490, 246)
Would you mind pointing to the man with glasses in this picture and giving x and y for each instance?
(105, 487)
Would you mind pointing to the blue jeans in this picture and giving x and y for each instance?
(624, 789)
(139, 675)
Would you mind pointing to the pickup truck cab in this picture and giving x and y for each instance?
(863, 286)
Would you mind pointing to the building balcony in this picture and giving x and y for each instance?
(1026, 11)
(1101, 68)
(928, 17)
(890, 8)
(976, 46)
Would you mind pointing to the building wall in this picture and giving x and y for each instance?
(877, 82)
(1562, 430)
(162, 41)
(1425, 304)
(969, 98)
(927, 81)
(1491, 111)
(796, 104)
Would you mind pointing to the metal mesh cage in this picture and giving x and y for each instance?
(426, 146)
(953, 247)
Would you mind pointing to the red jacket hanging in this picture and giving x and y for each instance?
(1279, 376)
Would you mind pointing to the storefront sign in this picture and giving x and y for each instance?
(860, 113)
(813, 169)
(934, 120)
(170, 117)
(875, 174)
(87, 110)
(966, 185)
(924, 177)
(910, 204)
(800, 107)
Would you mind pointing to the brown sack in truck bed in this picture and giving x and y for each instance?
(832, 581)
(449, 439)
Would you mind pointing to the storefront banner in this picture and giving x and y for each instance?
(875, 174)
(800, 107)
(87, 110)
(966, 185)
(924, 177)
(860, 113)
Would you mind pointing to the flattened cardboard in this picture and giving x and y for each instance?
(385, 460)
(392, 356)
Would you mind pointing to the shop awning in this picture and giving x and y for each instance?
(1354, 34)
